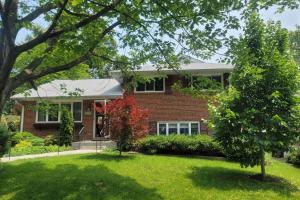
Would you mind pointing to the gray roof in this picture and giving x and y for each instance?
(195, 66)
(80, 89)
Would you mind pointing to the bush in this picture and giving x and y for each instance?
(50, 140)
(13, 122)
(294, 157)
(66, 127)
(4, 136)
(26, 136)
(37, 141)
(180, 144)
(37, 150)
(23, 143)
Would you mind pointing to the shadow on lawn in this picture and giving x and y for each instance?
(35, 180)
(108, 157)
(230, 179)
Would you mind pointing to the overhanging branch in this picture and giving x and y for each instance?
(23, 77)
(37, 12)
(54, 33)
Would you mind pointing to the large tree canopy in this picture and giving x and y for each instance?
(98, 30)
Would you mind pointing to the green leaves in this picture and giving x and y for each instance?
(260, 111)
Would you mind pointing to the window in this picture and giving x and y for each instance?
(172, 128)
(154, 85)
(162, 128)
(41, 115)
(194, 128)
(77, 111)
(52, 114)
(184, 128)
(206, 82)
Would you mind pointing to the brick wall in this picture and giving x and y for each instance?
(172, 107)
(43, 129)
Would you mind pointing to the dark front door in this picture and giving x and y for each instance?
(101, 124)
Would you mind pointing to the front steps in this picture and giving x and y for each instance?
(93, 145)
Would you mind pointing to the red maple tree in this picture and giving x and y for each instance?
(127, 121)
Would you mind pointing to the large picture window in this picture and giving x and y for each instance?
(52, 114)
(154, 85)
(183, 128)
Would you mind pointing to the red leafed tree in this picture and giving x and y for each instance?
(127, 121)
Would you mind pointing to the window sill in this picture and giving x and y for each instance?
(143, 92)
(52, 124)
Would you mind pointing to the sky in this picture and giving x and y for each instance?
(289, 19)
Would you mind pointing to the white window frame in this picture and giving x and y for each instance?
(59, 112)
(210, 75)
(178, 126)
(153, 91)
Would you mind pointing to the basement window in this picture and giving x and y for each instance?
(182, 128)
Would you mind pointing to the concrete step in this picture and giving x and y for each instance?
(91, 145)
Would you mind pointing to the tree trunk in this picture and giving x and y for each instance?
(263, 165)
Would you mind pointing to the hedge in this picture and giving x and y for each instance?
(294, 157)
(179, 144)
(37, 150)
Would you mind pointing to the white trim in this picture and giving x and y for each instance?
(178, 126)
(22, 119)
(153, 91)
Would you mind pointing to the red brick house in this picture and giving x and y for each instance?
(170, 112)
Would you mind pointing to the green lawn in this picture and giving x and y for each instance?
(142, 177)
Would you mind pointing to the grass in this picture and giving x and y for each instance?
(135, 177)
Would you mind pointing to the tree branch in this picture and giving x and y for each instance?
(36, 13)
(47, 35)
(23, 77)
(76, 14)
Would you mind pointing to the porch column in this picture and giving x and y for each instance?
(22, 119)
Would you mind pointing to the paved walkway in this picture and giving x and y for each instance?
(73, 152)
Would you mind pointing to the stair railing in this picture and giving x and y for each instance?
(81, 135)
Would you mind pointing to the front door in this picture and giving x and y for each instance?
(101, 124)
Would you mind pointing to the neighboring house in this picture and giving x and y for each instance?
(170, 112)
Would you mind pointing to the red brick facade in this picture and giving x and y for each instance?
(172, 107)
(163, 106)
(43, 129)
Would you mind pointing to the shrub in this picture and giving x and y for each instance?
(180, 144)
(66, 128)
(23, 143)
(294, 157)
(27, 136)
(37, 142)
(4, 136)
(13, 122)
(37, 150)
(50, 140)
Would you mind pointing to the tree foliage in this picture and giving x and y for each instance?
(74, 31)
(4, 136)
(294, 38)
(127, 121)
(66, 127)
(259, 113)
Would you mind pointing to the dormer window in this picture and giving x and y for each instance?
(154, 85)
